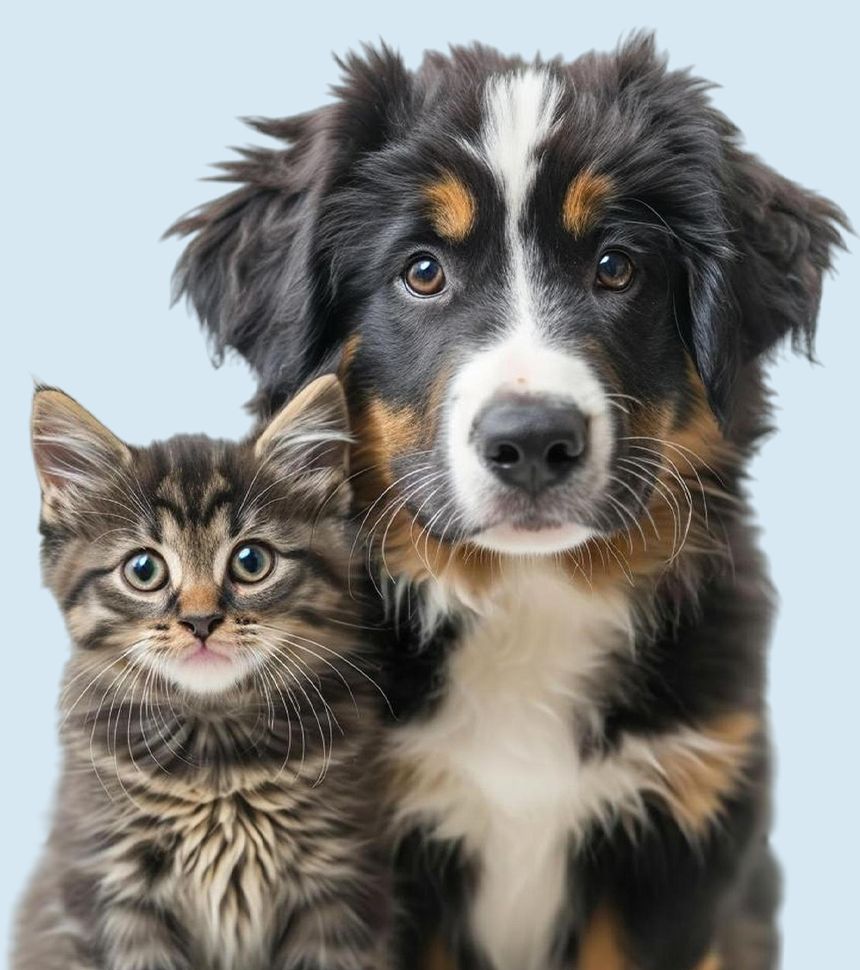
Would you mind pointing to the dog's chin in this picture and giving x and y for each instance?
(516, 540)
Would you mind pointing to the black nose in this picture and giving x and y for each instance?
(201, 626)
(530, 442)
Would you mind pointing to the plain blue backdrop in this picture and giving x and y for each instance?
(112, 111)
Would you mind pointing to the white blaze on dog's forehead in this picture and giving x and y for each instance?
(518, 116)
(520, 111)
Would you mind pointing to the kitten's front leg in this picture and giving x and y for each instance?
(138, 935)
(339, 933)
(137, 926)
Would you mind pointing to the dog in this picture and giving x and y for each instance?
(551, 290)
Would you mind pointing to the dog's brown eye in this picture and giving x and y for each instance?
(424, 276)
(614, 270)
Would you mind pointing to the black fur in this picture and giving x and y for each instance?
(308, 253)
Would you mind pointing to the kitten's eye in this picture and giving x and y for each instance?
(251, 562)
(614, 270)
(424, 276)
(145, 571)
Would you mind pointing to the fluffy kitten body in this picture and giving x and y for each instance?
(219, 717)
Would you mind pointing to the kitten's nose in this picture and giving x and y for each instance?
(201, 626)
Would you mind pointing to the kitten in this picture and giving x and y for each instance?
(217, 803)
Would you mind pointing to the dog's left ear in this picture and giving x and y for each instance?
(254, 268)
(768, 286)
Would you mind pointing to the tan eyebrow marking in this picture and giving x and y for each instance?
(582, 202)
(452, 207)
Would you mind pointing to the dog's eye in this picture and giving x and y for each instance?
(424, 276)
(614, 270)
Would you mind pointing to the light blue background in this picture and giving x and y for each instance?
(112, 111)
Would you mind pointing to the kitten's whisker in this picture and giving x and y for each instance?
(280, 641)
(102, 670)
(297, 681)
(339, 656)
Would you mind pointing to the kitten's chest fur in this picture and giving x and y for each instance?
(233, 863)
(498, 766)
(232, 845)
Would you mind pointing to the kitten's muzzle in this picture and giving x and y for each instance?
(201, 625)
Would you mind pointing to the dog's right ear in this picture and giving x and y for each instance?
(253, 269)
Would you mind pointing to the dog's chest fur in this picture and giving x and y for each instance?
(498, 763)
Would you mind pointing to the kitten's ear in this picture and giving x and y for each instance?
(311, 432)
(73, 451)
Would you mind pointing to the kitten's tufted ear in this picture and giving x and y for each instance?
(254, 268)
(74, 453)
(783, 239)
(308, 439)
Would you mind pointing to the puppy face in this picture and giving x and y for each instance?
(544, 285)
(514, 337)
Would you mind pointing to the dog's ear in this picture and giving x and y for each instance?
(253, 269)
(754, 244)
(768, 287)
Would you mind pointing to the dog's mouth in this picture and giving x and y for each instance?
(532, 537)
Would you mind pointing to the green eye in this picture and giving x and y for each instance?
(251, 562)
(145, 571)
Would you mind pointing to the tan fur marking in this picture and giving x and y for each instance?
(438, 957)
(198, 601)
(395, 430)
(697, 781)
(582, 202)
(350, 349)
(711, 962)
(601, 944)
(682, 519)
(383, 433)
(452, 207)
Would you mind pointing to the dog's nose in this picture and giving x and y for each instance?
(530, 442)
(201, 626)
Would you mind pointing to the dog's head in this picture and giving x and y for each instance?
(545, 285)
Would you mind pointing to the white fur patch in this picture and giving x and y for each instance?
(518, 117)
(519, 114)
(521, 363)
(498, 765)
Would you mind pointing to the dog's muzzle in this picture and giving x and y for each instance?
(530, 442)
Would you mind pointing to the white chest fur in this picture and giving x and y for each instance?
(498, 765)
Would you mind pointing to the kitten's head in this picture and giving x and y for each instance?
(194, 563)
